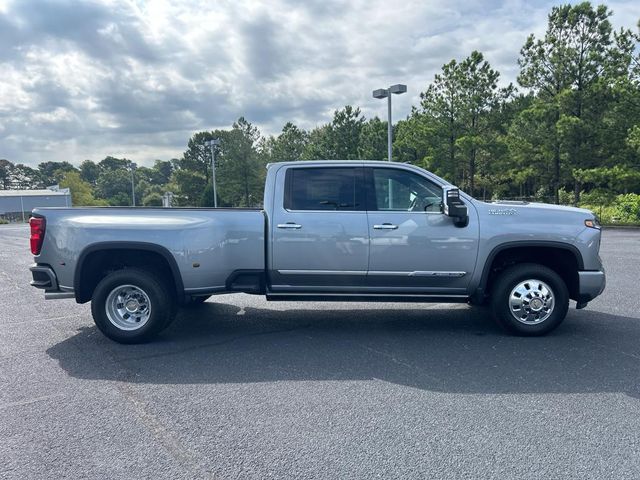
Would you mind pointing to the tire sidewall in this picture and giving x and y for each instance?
(160, 299)
(516, 274)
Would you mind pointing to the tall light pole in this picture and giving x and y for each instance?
(386, 93)
(213, 143)
(132, 167)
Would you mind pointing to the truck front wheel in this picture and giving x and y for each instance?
(529, 299)
(132, 305)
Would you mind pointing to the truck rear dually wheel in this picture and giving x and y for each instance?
(529, 299)
(132, 305)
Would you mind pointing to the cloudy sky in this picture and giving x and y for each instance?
(86, 79)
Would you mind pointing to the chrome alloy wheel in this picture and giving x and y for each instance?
(128, 307)
(531, 302)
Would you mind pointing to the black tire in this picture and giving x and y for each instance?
(516, 275)
(162, 305)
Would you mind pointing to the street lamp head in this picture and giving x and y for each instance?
(380, 93)
(386, 93)
(133, 166)
(213, 142)
(398, 89)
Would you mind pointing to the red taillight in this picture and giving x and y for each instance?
(38, 225)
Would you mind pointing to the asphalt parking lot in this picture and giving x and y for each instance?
(243, 388)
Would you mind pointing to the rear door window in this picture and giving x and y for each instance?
(324, 188)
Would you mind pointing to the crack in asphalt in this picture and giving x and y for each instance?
(30, 401)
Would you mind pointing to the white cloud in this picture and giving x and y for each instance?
(137, 78)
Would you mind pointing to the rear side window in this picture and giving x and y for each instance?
(324, 188)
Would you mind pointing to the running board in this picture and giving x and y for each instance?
(360, 297)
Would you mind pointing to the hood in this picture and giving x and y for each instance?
(525, 213)
(505, 205)
(542, 221)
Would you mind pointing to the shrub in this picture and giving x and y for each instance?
(565, 197)
(623, 209)
(628, 207)
(152, 200)
(597, 196)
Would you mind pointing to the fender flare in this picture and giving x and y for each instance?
(129, 245)
(486, 270)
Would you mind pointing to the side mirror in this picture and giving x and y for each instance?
(454, 207)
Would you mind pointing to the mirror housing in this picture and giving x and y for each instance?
(454, 207)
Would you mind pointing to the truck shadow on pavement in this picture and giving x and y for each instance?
(457, 350)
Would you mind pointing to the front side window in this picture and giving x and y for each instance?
(324, 189)
(400, 190)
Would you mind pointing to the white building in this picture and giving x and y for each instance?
(16, 205)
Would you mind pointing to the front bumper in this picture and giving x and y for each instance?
(591, 284)
(45, 278)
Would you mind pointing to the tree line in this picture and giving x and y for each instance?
(567, 132)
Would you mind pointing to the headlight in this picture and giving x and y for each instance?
(592, 223)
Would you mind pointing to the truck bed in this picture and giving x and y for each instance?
(208, 245)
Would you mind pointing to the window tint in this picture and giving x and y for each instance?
(400, 190)
(323, 189)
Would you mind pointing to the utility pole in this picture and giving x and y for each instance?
(213, 143)
(132, 167)
(386, 93)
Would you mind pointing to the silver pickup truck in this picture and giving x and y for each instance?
(329, 230)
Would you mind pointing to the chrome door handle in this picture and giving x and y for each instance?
(385, 226)
(289, 225)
